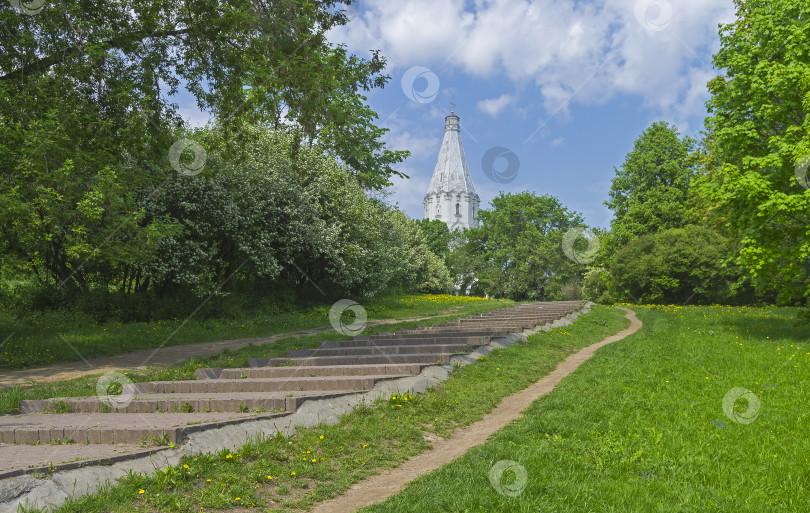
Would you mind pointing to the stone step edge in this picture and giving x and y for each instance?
(76, 482)
(208, 373)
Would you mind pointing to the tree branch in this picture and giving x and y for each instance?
(51, 60)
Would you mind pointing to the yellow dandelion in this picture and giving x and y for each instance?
(140, 491)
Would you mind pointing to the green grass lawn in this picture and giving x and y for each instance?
(642, 427)
(58, 337)
(293, 473)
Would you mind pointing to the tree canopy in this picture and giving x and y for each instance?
(93, 81)
(650, 191)
(517, 250)
(758, 144)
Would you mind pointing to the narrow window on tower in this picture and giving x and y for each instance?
(457, 207)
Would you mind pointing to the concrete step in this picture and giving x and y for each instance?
(371, 350)
(409, 369)
(458, 329)
(426, 359)
(524, 317)
(500, 328)
(399, 341)
(276, 384)
(424, 332)
(239, 402)
(103, 428)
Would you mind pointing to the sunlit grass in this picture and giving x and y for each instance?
(642, 426)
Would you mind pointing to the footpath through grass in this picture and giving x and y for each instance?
(61, 337)
(86, 385)
(293, 473)
(642, 427)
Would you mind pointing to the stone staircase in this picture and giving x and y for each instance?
(167, 411)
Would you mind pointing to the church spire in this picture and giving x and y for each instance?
(451, 196)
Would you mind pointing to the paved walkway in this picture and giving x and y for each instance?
(382, 486)
(162, 357)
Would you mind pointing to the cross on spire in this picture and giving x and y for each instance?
(452, 105)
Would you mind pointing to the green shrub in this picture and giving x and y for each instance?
(675, 266)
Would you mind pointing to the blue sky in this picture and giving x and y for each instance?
(567, 86)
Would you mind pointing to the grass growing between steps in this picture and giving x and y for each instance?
(293, 473)
(642, 427)
(86, 386)
(60, 337)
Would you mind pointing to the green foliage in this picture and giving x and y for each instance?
(89, 203)
(267, 215)
(597, 283)
(675, 266)
(437, 236)
(517, 250)
(650, 191)
(758, 141)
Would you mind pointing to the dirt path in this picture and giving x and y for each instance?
(380, 487)
(162, 357)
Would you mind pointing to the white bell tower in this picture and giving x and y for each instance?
(451, 196)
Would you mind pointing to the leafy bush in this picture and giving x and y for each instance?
(597, 284)
(265, 217)
(675, 266)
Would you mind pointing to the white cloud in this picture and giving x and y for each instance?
(494, 106)
(585, 51)
(557, 142)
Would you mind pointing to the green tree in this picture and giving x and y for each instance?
(674, 266)
(437, 236)
(650, 191)
(758, 144)
(87, 119)
(517, 250)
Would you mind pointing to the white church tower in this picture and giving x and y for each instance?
(451, 196)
